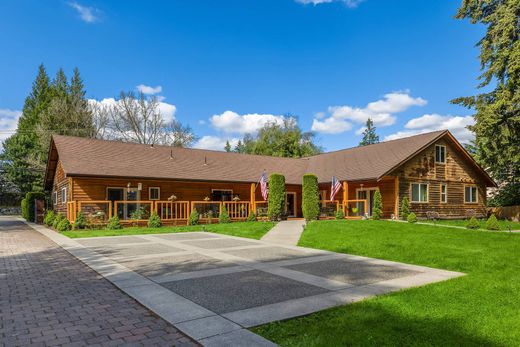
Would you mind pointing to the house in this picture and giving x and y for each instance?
(103, 178)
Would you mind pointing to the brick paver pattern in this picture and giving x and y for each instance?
(49, 298)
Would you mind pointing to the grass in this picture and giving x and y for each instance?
(504, 224)
(252, 230)
(481, 308)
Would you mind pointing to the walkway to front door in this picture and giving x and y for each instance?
(285, 232)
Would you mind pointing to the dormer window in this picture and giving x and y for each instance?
(440, 154)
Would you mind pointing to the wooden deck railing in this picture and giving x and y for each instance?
(138, 210)
(207, 210)
(173, 210)
(355, 209)
(328, 208)
(237, 210)
(261, 209)
(95, 211)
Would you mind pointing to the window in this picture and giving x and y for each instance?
(444, 193)
(63, 195)
(221, 194)
(419, 192)
(55, 198)
(154, 193)
(440, 154)
(470, 194)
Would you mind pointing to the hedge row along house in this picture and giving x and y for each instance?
(103, 178)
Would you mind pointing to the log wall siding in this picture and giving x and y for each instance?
(60, 182)
(455, 174)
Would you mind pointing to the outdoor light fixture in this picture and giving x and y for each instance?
(139, 186)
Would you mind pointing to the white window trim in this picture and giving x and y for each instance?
(427, 193)
(445, 153)
(150, 193)
(63, 195)
(55, 202)
(445, 201)
(476, 194)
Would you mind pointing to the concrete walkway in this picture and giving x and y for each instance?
(285, 233)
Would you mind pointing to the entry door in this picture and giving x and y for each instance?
(290, 204)
(116, 194)
(367, 194)
(132, 194)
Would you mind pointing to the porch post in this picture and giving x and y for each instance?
(396, 196)
(345, 198)
(252, 197)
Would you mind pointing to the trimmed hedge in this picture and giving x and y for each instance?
(405, 208)
(473, 223)
(412, 218)
(194, 217)
(377, 210)
(492, 223)
(154, 221)
(223, 217)
(310, 197)
(23, 204)
(29, 204)
(276, 199)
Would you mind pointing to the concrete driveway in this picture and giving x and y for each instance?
(212, 286)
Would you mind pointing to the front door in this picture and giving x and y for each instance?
(367, 194)
(116, 194)
(132, 194)
(290, 204)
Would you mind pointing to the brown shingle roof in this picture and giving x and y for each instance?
(91, 157)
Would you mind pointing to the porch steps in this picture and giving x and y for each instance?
(285, 232)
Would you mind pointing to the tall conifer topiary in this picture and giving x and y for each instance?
(276, 199)
(310, 197)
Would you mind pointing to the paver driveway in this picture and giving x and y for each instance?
(213, 286)
(49, 298)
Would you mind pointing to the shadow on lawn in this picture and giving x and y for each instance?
(369, 324)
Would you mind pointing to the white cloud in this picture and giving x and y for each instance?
(8, 123)
(87, 14)
(348, 3)
(214, 142)
(331, 125)
(457, 125)
(148, 90)
(232, 122)
(381, 112)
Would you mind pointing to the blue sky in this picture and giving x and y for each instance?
(226, 67)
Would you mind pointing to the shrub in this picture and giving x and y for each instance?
(412, 218)
(310, 197)
(23, 204)
(114, 223)
(340, 214)
(138, 213)
(49, 218)
(377, 210)
(59, 217)
(251, 217)
(154, 221)
(473, 223)
(405, 208)
(29, 205)
(194, 217)
(63, 225)
(224, 216)
(81, 221)
(492, 223)
(276, 199)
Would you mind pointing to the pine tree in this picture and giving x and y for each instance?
(21, 151)
(369, 134)
(227, 147)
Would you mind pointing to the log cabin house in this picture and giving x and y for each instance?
(103, 178)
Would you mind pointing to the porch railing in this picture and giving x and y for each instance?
(237, 210)
(95, 211)
(355, 209)
(328, 208)
(261, 209)
(138, 210)
(207, 210)
(71, 211)
(173, 210)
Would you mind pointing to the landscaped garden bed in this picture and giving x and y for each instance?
(481, 308)
(503, 224)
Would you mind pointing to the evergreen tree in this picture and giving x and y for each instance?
(369, 134)
(377, 210)
(497, 121)
(227, 147)
(21, 150)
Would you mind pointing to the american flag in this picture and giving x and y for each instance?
(263, 186)
(334, 189)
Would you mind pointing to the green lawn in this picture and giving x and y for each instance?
(252, 230)
(482, 308)
(504, 224)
